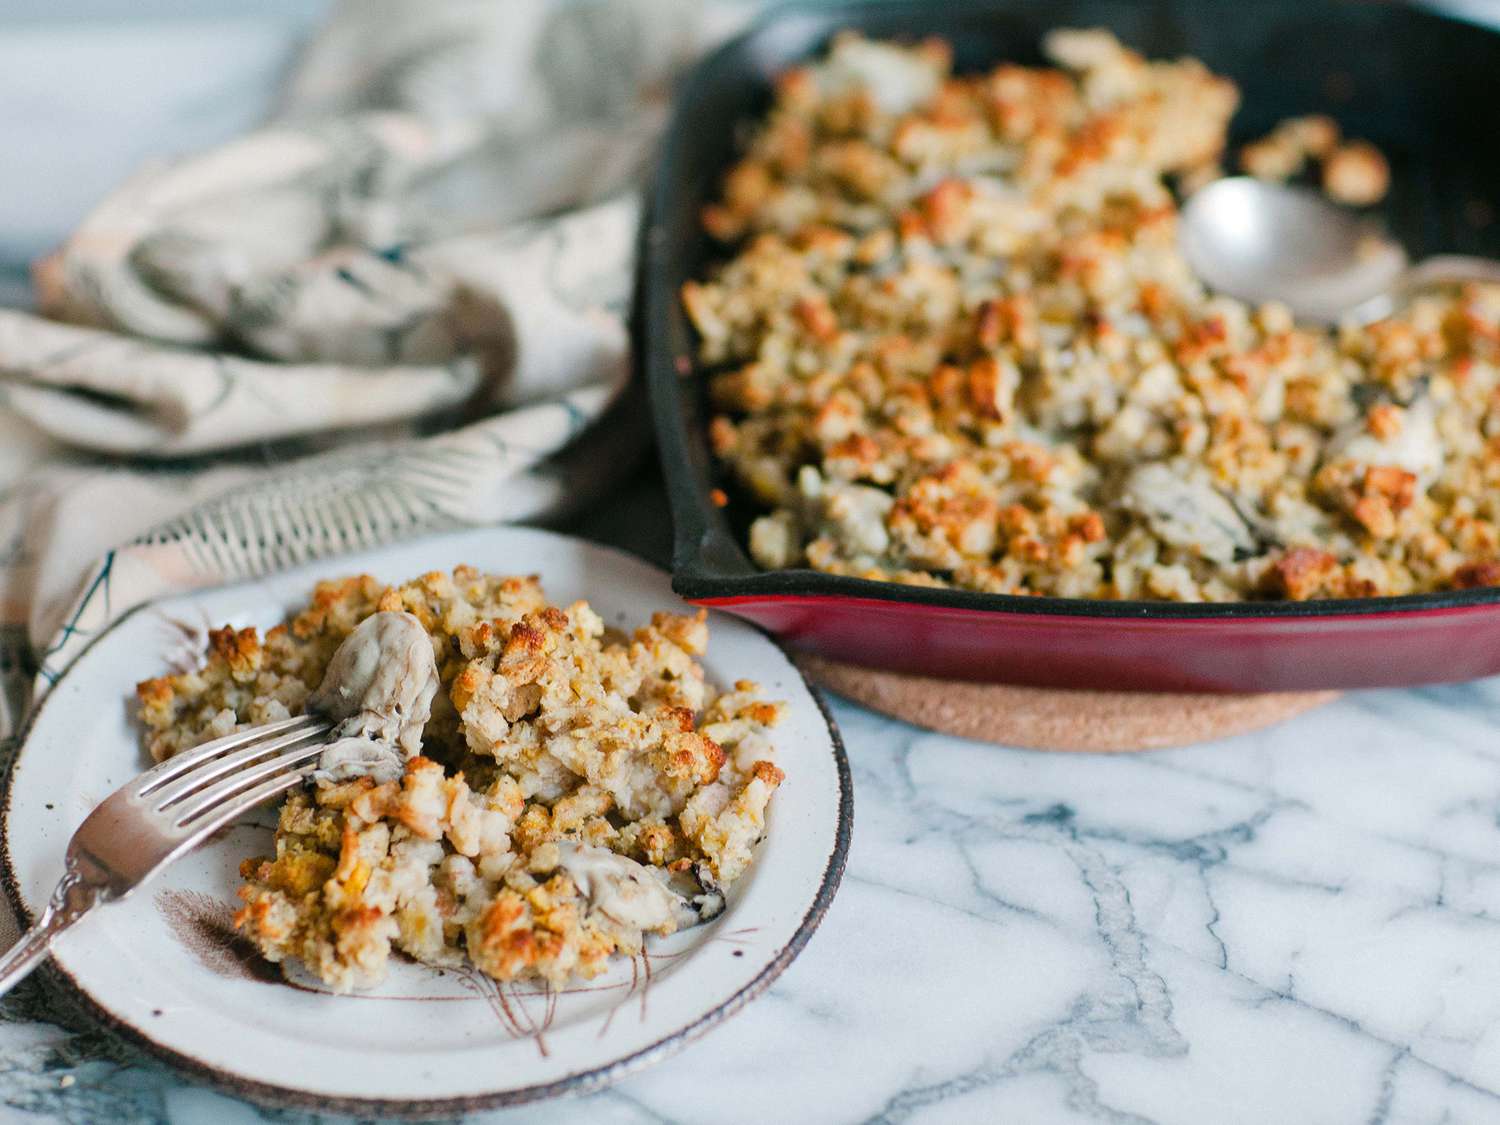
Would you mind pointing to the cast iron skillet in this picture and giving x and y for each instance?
(1422, 86)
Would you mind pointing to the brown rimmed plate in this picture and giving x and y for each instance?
(164, 968)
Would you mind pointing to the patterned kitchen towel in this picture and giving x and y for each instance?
(398, 308)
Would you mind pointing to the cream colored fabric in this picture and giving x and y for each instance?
(398, 307)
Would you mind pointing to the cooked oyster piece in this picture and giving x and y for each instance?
(622, 889)
(1409, 440)
(351, 758)
(381, 682)
(1184, 510)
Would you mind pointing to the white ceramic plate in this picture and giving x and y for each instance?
(164, 968)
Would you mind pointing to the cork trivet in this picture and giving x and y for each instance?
(1058, 719)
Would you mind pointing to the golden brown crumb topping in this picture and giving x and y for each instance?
(956, 345)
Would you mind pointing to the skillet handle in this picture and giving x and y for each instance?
(1438, 270)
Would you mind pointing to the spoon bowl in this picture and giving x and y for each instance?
(1261, 242)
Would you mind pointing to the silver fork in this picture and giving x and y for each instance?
(146, 824)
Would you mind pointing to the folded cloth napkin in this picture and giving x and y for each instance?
(397, 308)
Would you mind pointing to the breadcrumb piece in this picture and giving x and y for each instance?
(1357, 174)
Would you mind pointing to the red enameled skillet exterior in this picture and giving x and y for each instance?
(1411, 80)
(1145, 653)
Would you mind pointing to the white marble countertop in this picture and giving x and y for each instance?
(1301, 925)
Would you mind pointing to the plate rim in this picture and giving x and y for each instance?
(579, 1083)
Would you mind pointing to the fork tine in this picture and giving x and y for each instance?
(163, 772)
(185, 784)
(216, 816)
(276, 768)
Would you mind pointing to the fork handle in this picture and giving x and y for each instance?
(73, 898)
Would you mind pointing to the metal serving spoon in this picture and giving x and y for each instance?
(1260, 241)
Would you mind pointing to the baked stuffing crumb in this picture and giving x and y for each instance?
(573, 789)
(956, 345)
(1353, 172)
(1357, 174)
(1291, 146)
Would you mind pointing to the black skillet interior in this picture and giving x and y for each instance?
(1422, 86)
